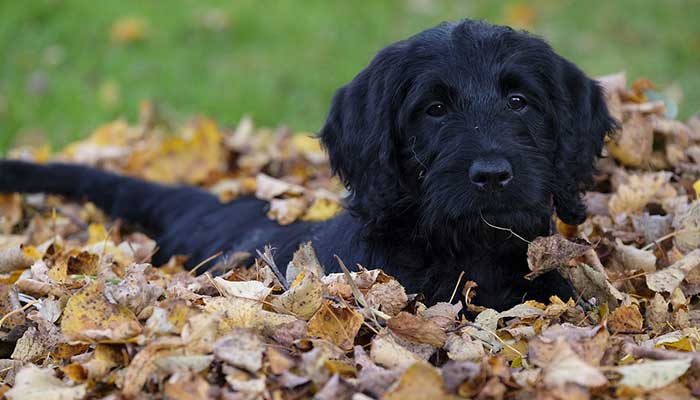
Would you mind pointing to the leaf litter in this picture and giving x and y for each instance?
(85, 314)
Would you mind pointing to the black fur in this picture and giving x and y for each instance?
(412, 208)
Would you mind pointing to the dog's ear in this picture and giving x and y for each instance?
(360, 136)
(582, 123)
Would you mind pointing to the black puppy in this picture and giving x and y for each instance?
(445, 136)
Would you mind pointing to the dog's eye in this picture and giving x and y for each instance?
(436, 110)
(516, 102)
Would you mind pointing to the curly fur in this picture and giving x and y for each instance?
(412, 209)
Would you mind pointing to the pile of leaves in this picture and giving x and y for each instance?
(84, 314)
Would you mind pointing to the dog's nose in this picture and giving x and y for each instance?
(491, 174)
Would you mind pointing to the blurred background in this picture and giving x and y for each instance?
(67, 66)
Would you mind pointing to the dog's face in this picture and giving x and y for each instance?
(467, 125)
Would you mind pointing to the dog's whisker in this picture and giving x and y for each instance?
(503, 229)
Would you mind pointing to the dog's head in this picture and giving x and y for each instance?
(465, 125)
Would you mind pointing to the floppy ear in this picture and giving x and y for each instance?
(583, 121)
(360, 136)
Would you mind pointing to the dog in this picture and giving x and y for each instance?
(456, 145)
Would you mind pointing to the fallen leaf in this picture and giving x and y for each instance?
(669, 278)
(419, 381)
(626, 319)
(303, 259)
(547, 253)
(389, 297)
(632, 146)
(567, 367)
(652, 374)
(186, 385)
(268, 188)
(335, 323)
(9, 304)
(388, 352)
(322, 209)
(632, 196)
(632, 258)
(10, 212)
(89, 316)
(172, 364)
(687, 225)
(417, 329)
(286, 211)
(14, 258)
(250, 290)
(335, 389)
(241, 348)
(34, 383)
(463, 348)
(589, 343)
(303, 298)
(656, 314)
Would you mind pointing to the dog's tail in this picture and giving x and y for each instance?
(133, 200)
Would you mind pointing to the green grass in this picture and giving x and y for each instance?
(281, 60)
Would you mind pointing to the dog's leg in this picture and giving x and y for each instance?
(152, 205)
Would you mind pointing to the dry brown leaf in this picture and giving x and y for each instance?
(389, 297)
(90, 317)
(14, 258)
(186, 385)
(443, 314)
(417, 329)
(589, 343)
(632, 146)
(303, 259)
(251, 290)
(143, 364)
(687, 225)
(652, 374)
(592, 283)
(335, 323)
(34, 383)
(656, 314)
(286, 211)
(626, 319)
(463, 348)
(9, 304)
(135, 291)
(419, 381)
(632, 196)
(303, 298)
(547, 253)
(567, 367)
(241, 348)
(268, 188)
(177, 363)
(669, 278)
(322, 209)
(10, 212)
(386, 351)
(632, 258)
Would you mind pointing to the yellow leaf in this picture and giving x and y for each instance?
(682, 344)
(321, 210)
(89, 317)
(303, 298)
(336, 323)
(419, 381)
(97, 233)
